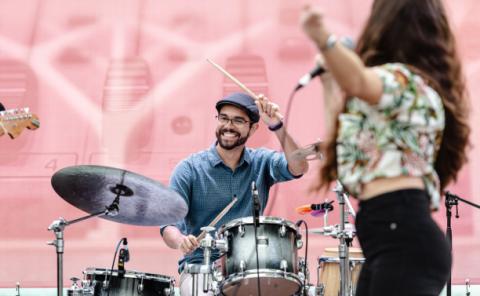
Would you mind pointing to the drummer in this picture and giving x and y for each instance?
(209, 180)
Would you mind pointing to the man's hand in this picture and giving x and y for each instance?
(269, 112)
(188, 244)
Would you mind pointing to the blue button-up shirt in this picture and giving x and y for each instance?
(208, 186)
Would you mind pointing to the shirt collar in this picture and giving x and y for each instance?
(215, 158)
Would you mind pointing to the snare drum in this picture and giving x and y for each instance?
(329, 270)
(131, 283)
(278, 243)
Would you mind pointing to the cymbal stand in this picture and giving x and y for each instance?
(208, 243)
(345, 239)
(58, 227)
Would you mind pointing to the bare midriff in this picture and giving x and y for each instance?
(383, 185)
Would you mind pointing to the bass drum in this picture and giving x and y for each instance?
(278, 242)
(129, 283)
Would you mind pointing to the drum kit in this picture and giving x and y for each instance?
(258, 255)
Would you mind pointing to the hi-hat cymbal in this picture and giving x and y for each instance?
(142, 201)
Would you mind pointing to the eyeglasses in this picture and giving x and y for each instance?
(236, 121)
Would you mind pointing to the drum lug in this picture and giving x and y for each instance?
(140, 286)
(299, 243)
(282, 231)
(168, 291)
(243, 266)
(284, 266)
(221, 245)
(105, 284)
(217, 275)
(241, 230)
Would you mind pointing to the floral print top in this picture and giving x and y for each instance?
(399, 136)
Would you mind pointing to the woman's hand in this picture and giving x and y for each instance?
(311, 20)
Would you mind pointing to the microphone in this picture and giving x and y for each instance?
(319, 69)
(256, 205)
(315, 209)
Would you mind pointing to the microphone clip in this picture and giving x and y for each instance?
(325, 206)
(121, 263)
(123, 256)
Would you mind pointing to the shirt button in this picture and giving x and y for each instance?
(393, 226)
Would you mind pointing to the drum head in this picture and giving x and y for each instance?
(271, 283)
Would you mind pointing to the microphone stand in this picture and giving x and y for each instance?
(450, 201)
(256, 224)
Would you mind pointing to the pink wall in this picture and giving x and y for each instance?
(68, 61)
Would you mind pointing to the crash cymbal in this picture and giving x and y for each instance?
(142, 201)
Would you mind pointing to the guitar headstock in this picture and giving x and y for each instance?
(14, 121)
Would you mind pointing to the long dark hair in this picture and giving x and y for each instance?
(416, 33)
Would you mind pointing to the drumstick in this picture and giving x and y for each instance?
(219, 216)
(231, 77)
(241, 85)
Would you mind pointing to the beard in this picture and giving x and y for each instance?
(229, 146)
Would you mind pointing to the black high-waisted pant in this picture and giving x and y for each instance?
(406, 252)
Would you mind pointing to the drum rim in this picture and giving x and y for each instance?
(263, 220)
(252, 273)
(328, 259)
(128, 274)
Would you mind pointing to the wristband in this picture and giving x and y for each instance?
(276, 127)
(330, 43)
